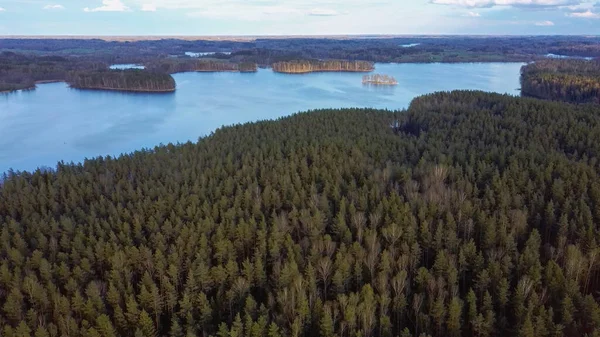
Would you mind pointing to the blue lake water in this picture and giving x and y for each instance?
(54, 122)
(126, 66)
(200, 54)
(557, 56)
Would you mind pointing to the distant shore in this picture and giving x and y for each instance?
(126, 90)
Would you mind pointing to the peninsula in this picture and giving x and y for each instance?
(126, 80)
(308, 66)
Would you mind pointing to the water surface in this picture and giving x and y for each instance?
(194, 54)
(557, 56)
(54, 122)
(126, 66)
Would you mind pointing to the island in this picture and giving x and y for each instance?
(378, 79)
(569, 80)
(310, 66)
(123, 80)
(179, 65)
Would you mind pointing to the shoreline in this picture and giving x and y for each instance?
(163, 91)
(321, 71)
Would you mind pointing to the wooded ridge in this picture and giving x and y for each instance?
(469, 214)
(575, 81)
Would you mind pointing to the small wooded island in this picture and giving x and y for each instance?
(310, 66)
(125, 80)
(378, 79)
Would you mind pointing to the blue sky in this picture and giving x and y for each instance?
(300, 17)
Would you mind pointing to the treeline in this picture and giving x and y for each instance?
(575, 81)
(124, 80)
(474, 215)
(178, 65)
(308, 66)
(18, 71)
(268, 51)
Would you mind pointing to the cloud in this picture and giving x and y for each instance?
(473, 15)
(546, 23)
(323, 12)
(148, 8)
(585, 15)
(54, 7)
(109, 6)
(2, 9)
(513, 3)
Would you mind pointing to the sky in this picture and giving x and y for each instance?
(298, 17)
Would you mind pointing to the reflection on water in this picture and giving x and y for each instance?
(557, 56)
(193, 54)
(126, 66)
(54, 122)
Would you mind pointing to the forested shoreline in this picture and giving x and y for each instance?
(22, 72)
(469, 214)
(125, 80)
(575, 81)
(310, 66)
(266, 51)
(172, 66)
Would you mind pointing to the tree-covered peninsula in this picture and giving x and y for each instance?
(178, 65)
(21, 71)
(470, 214)
(575, 81)
(122, 80)
(309, 66)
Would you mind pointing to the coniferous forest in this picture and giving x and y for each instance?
(127, 80)
(470, 214)
(309, 66)
(575, 81)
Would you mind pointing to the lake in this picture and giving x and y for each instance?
(54, 122)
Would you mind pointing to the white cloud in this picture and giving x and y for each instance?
(546, 23)
(2, 9)
(55, 7)
(323, 12)
(148, 8)
(256, 10)
(109, 6)
(585, 15)
(473, 15)
(514, 3)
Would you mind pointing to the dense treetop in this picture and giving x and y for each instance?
(576, 81)
(309, 66)
(125, 80)
(471, 214)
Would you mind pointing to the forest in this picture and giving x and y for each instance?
(124, 80)
(19, 71)
(178, 65)
(469, 214)
(575, 81)
(23, 71)
(266, 51)
(310, 66)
